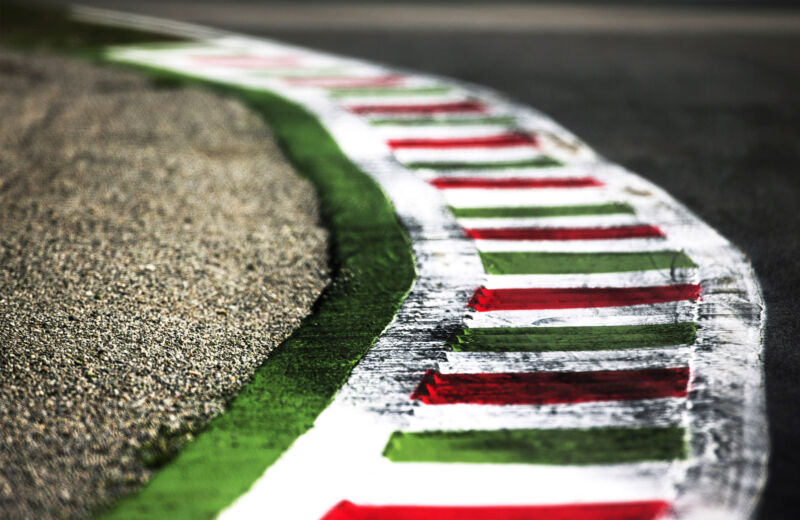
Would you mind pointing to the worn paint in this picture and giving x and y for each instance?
(499, 388)
(552, 446)
(684, 386)
(542, 339)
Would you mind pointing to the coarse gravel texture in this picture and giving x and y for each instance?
(154, 247)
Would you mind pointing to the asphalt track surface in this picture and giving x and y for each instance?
(710, 117)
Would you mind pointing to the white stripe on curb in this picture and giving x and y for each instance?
(345, 446)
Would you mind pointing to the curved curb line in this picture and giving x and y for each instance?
(373, 270)
(414, 395)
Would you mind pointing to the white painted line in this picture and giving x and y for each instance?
(718, 480)
(644, 413)
(601, 221)
(546, 197)
(651, 278)
(576, 361)
(477, 154)
(440, 131)
(404, 99)
(577, 246)
(659, 313)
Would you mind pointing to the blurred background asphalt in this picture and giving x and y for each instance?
(703, 98)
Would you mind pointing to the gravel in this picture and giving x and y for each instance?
(154, 247)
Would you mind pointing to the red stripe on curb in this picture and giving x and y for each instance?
(485, 300)
(247, 62)
(470, 107)
(454, 183)
(564, 233)
(651, 510)
(539, 388)
(347, 81)
(495, 141)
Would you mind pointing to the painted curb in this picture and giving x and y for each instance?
(466, 407)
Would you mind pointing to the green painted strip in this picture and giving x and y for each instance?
(389, 91)
(373, 272)
(524, 262)
(543, 211)
(551, 339)
(426, 121)
(559, 446)
(539, 162)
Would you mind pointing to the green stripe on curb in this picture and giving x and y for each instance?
(524, 262)
(429, 121)
(373, 272)
(551, 339)
(543, 211)
(558, 447)
(389, 91)
(539, 162)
